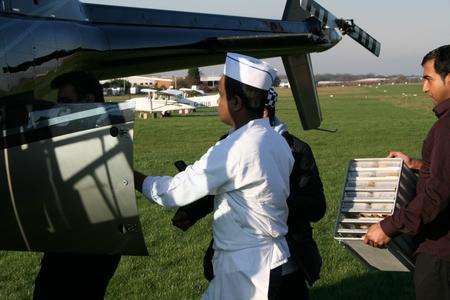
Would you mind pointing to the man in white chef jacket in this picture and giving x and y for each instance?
(248, 172)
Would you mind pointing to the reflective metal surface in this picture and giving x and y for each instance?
(303, 85)
(61, 9)
(68, 184)
(118, 41)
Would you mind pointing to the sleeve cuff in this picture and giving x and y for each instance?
(147, 188)
(388, 228)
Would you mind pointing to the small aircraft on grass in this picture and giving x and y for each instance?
(161, 102)
(199, 98)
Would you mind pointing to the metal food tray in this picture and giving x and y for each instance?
(373, 188)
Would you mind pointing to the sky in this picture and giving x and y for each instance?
(407, 29)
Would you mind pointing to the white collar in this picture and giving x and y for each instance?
(279, 126)
(262, 122)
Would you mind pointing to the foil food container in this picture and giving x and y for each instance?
(373, 188)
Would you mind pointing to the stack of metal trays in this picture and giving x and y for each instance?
(373, 189)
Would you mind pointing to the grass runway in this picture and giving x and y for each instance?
(370, 121)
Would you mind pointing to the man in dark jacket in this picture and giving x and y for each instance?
(72, 275)
(427, 216)
(306, 204)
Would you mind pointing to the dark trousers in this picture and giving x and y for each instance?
(432, 278)
(74, 276)
(290, 286)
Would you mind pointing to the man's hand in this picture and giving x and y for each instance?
(409, 162)
(406, 159)
(376, 237)
(181, 220)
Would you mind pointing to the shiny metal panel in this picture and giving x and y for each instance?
(7, 209)
(381, 259)
(61, 9)
(301, 77)
(119, 42)
(73, 189)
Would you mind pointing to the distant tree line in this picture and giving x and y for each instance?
(123, 84)
(353, 77)
(193, 77)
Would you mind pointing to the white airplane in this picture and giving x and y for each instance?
(198, 98)
(162, 102)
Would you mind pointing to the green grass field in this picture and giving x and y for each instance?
(370, 121)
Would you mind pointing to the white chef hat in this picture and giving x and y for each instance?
(250, 71)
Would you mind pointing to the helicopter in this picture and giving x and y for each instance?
(66, 170)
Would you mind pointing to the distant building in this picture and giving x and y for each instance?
(210, 81)
(370, 81)
(329, 83)
(149, 81)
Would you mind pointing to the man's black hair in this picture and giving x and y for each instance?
(271, 112)
(84, 83)
(253, 98)
(441, 58)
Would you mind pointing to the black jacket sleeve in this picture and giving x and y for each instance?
(307, 199)
(199, 209)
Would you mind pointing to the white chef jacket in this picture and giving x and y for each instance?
(248, 172)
